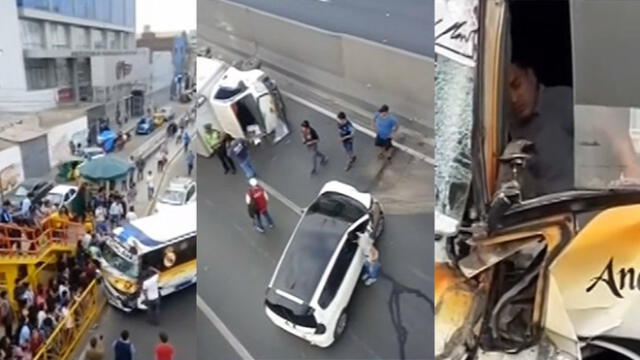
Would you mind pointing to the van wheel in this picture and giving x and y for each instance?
(340, 325)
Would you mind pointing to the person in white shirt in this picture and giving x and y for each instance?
(150, 185)
(131, 215)
(115, 213)
(372, 264)
(151, 291)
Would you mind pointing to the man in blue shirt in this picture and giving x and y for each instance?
(123, 348)
(185, 141)
(5, 216)
(346, 136)
(386, 126)
(239, 150)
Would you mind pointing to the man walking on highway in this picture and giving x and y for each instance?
(95, 350)
(185, 141)
(239, 149)
(260, 199)
(150, 185)
(190, 160)
(386, 126)
(123, 348)
(151, 290)
(346, 136)
(164, 350)
(310, 140)
(216, 142)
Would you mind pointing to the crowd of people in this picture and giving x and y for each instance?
(30, 315)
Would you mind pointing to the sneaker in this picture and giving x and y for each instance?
(259, 229)
(364, 277)
(271, 226)
(324, 161)
(370, 281)
(348, 167)
(313, 172)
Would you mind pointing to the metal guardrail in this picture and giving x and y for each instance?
(82, 313)
(21, 243)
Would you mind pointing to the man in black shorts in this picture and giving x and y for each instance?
(385, 125)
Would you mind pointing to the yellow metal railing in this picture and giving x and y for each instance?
(64, 339)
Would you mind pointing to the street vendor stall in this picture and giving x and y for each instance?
(106, 170)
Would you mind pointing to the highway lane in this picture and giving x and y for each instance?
(405, 24)
(235, 263)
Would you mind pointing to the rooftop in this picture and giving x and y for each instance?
(16, 127)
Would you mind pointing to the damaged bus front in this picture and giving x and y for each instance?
(536, 208)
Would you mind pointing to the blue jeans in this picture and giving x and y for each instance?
(315, 154)
(257, 220)
(372, 269)
(348, 147)
(248, 169)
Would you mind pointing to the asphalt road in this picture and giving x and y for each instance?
(405, 24)
(235, 263)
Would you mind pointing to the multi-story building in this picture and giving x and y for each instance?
(60, 51)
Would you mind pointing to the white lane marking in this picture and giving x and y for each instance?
(215, 320)
(366, 131)
(283, 199)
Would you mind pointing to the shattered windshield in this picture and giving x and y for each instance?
(453, 123)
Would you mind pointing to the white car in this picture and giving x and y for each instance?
(181, 191)
(90, 153)
(313, 282)
(168, 112)
(62, 195)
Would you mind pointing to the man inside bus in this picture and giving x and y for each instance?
(545, 116)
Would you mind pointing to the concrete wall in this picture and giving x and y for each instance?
(11, 172)
(27, 101)
(161, 70)
(58, 139)
(370, 72)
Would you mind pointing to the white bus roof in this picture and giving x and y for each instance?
(151, 232)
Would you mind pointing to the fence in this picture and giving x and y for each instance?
(82, 313)
(19, 241)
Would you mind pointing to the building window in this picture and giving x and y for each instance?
(36, 4)
(634, 119)
(126, 41)
(81, 37)
(32, 34)
(112, 39)
(63, 73)
(39, 74)
(99, 39)
(59, 36)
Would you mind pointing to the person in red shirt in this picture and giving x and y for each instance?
(257, 198)
(164, 350)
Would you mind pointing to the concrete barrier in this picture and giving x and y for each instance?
(351, 67)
